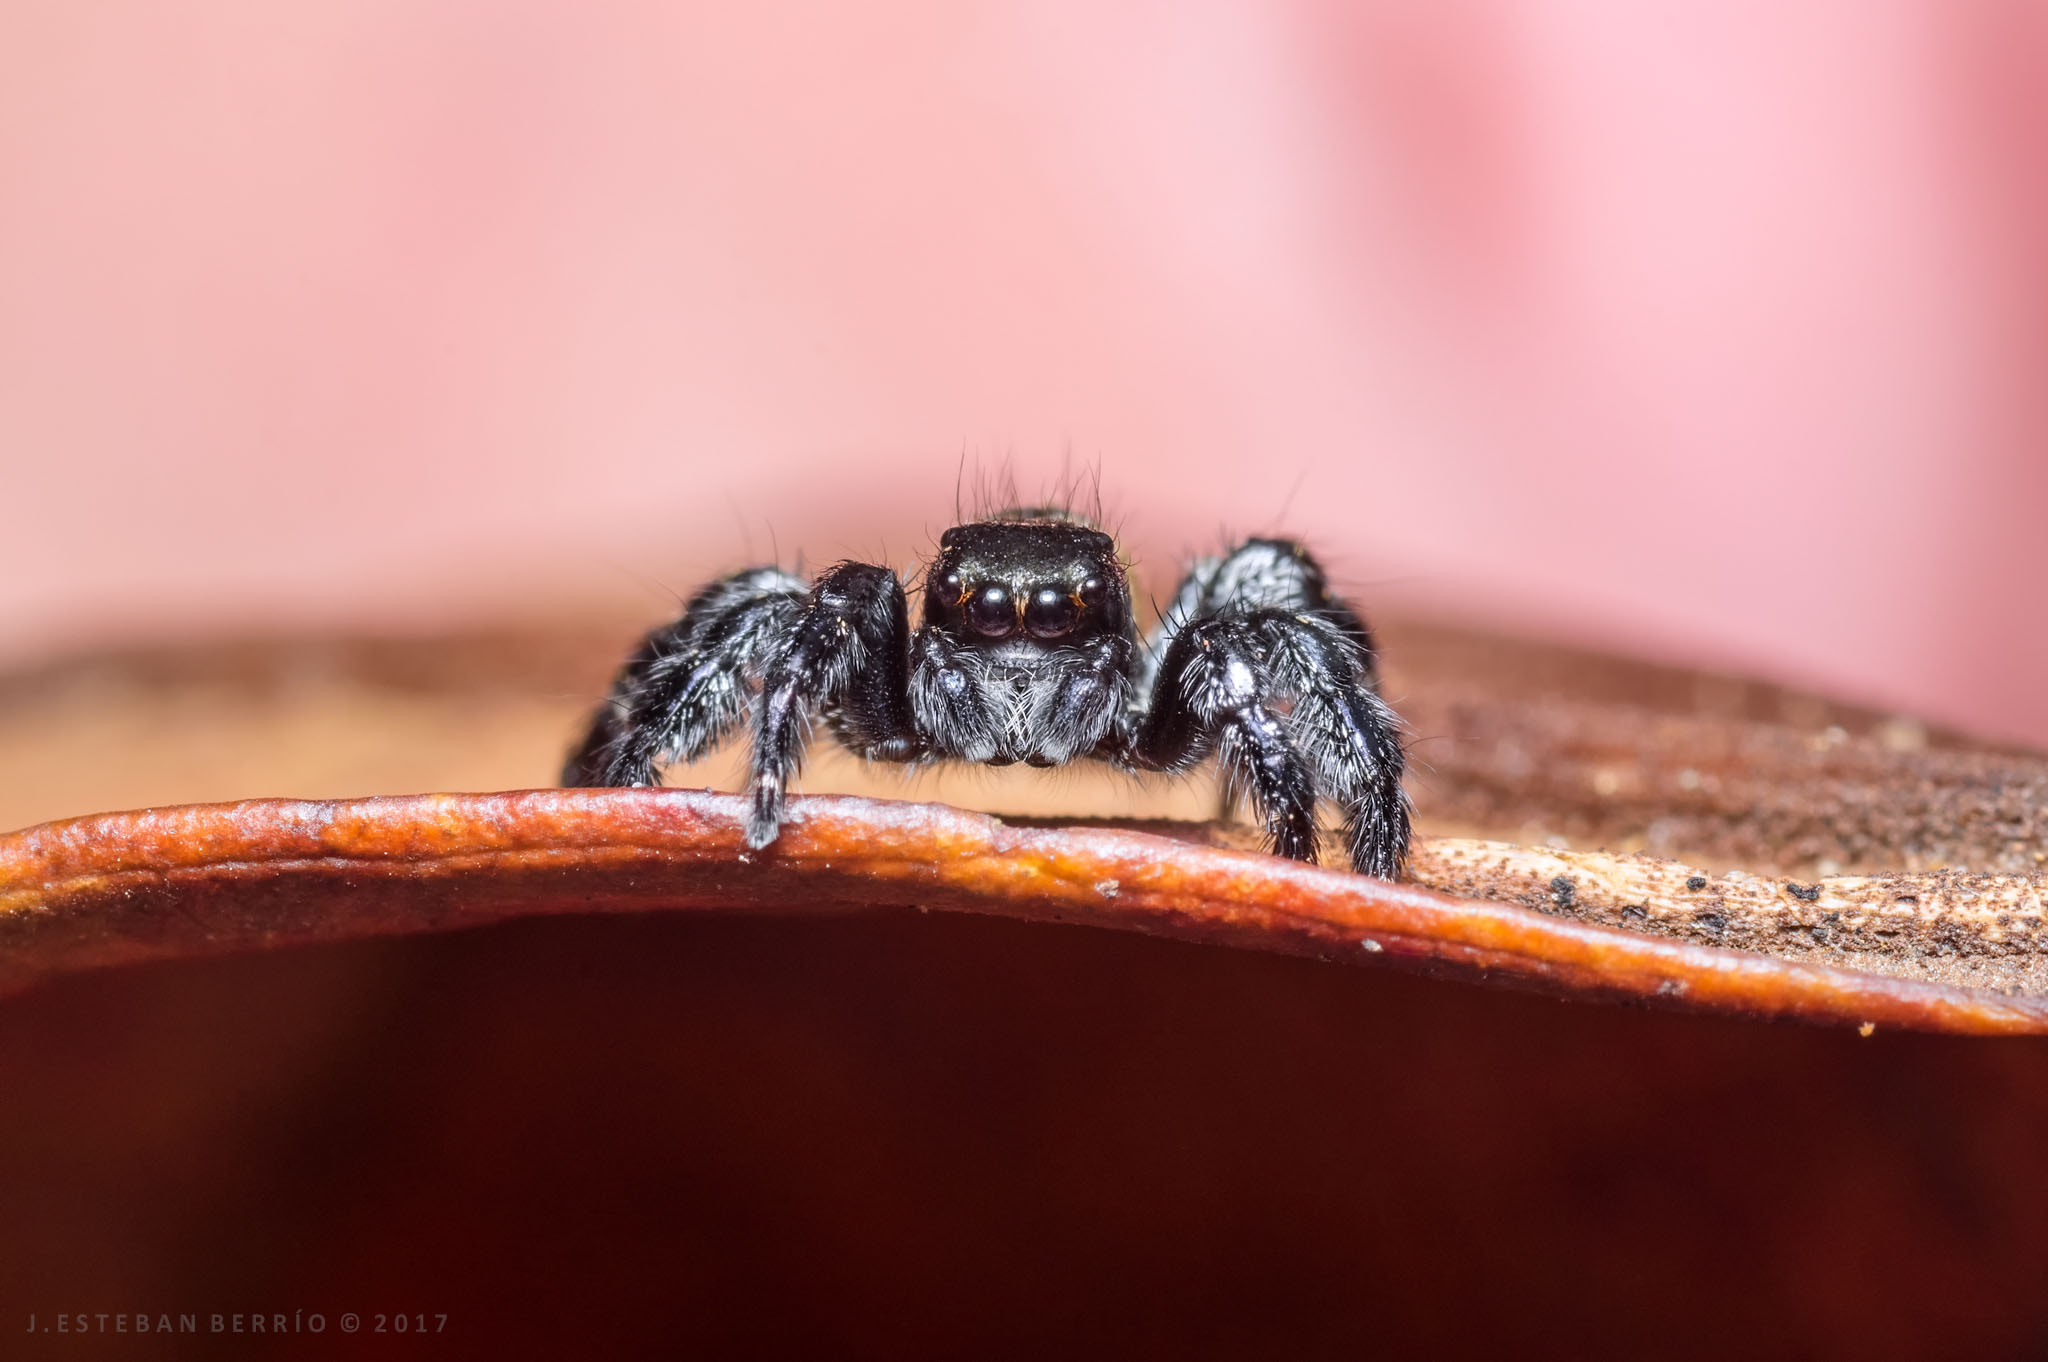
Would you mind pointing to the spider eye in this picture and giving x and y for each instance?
(952, 588)
(992, 613)
(1094, 592)
(1051, 613)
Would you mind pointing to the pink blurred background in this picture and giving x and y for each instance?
(1712, 333)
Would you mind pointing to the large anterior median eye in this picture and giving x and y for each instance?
(1051, 612)
(991, 612)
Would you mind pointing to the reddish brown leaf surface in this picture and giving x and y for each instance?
(206, 879)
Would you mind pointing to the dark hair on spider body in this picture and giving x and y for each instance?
(1027, 650)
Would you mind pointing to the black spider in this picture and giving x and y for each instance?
(1027, 652)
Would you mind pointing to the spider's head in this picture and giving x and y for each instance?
(1030, 578)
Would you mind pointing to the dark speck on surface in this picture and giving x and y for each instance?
(1805, 892)
(1696, 883)
(1563, 891)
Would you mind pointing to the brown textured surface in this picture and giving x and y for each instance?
(893, 1134)
(1558, 751)
(1525, 742)
(1975, 931)
(166, 883)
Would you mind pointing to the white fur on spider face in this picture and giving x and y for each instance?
(1060, 707)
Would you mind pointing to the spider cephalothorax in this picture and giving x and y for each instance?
(1027, 651)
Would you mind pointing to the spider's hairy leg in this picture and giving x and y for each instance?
(1212, 694)
(1259, 574)
(846, 650)
(685, 687)
(1352, 736)
(1268, 603)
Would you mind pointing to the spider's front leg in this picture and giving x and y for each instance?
(843, 645)
(1212, 693)
(1259, 660)
(686, 686)
(847, 651)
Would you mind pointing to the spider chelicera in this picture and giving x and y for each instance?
(1027, 651)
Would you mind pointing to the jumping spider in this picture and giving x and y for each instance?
(1028, 652)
